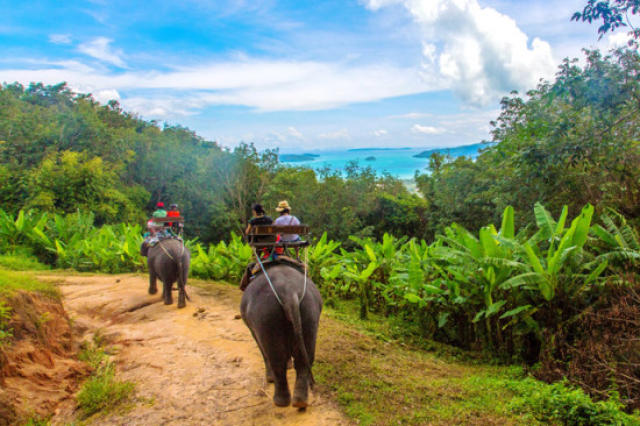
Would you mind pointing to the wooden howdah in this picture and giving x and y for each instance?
(266, 231)
(178, 219)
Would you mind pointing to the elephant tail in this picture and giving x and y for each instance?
(292, 309)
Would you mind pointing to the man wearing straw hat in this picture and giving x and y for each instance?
(286, 219)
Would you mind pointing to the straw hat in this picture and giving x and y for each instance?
(283, 205)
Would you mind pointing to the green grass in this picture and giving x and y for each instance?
(12, 281)
(21, 262)
(102, 392)
(380, 373)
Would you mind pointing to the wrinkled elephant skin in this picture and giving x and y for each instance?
(169, 261)
(284, 331)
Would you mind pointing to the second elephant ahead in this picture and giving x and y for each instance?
(169, 260)
(284, 329)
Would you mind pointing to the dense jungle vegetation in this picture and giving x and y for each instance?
(529, 253)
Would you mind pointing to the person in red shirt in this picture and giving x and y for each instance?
(174, 212)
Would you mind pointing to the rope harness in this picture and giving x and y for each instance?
(273, 289)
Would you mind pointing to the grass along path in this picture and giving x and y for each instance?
(381, 374)
(200, 363)
(381, 381)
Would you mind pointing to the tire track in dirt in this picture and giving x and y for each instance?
(195, 366)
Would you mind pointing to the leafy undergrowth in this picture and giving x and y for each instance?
(102, 392)
(380, 379)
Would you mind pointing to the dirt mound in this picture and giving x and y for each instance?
(192, 366)
(39, 368)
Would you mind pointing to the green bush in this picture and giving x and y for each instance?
(561, 403)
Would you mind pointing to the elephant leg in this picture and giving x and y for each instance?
(281, 394)
(267, 367)
(276, 358)
(166, 292)
(181, 297)
(304, 377)
(153, 287)
(182, 292)
(303, 381)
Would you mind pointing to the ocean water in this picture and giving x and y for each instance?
(399, 162)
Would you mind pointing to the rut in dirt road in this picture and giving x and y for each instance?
(197, 365)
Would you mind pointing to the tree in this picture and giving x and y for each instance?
(614, 14)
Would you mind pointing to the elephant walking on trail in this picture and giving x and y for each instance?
(169, 260)
(284, 329)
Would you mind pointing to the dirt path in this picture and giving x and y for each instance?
(196, 366)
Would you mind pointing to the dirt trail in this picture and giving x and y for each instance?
(195, 366)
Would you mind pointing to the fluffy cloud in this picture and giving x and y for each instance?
(99, 48)
(480, 51)
(104, 96)
(427, 130)
(619, 39)
(380, 132)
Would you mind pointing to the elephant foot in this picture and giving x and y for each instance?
(168, 301)
(300, 404)
(282, 400)
(181, 304)
(153, 290)
(300, 397)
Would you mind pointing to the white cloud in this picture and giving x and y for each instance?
(427, 130)
(619, 39)
(60, 38)
(413, 115)
(480, 51)
(99, 48)
(380, 132)
(104, 96)
(295, 132)
(259, 84)
(339, 134)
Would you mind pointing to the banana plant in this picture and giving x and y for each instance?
(621, 241)
(361, 277)
(26, 228)
(480, 265)
(562, 266)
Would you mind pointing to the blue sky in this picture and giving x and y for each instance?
(299, 75)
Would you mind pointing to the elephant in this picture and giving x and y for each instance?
(284, 329)
(169, 260)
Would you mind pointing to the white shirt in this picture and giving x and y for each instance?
(287, 220)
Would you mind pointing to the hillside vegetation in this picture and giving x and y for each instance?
(529, 254)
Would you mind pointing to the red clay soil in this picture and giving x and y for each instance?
(39, 369)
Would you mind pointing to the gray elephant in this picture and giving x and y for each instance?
(284, 329)
(169, 260)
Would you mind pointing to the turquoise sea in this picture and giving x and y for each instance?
(399, 162)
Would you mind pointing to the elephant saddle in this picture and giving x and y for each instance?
(253, 269)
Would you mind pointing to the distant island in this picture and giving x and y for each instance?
(377, 149)
(370, 158)
(295, 158)
(468, 150)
